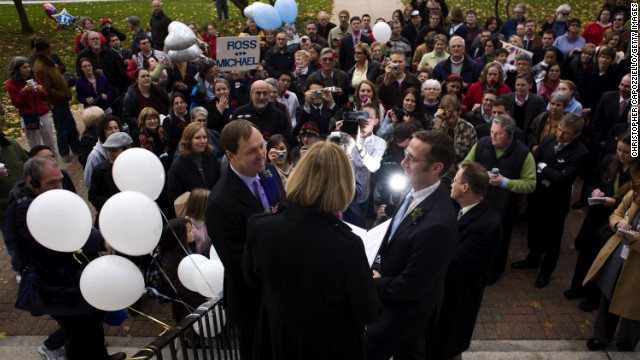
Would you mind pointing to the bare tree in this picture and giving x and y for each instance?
(24, 20)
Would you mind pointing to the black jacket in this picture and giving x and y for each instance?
(184, 175)
(296, 320)
(159, 29)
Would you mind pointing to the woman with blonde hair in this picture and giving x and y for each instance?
(365, 67)
(196, 166)
(150, 134)
(278, 262)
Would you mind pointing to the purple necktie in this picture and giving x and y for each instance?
(261, 194)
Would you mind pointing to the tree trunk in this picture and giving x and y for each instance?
(497, 13)
(24, 20)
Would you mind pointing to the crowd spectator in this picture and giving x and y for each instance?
(347, 46)
(104, 127)
(28, 95)
(324, 26)
(523, 106)
(594, 32)
(141, 95)
(510, 26)
(58, 97)
(159, 23)
(341, 30)
(558, 22)
(572, 39)
(137, 31)
(93, 89)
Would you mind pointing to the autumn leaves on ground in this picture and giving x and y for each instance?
(201, 12)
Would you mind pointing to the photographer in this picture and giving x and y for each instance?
(318, 107)
(279, 155)
(412, 110)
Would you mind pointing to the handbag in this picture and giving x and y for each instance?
(32, 121)
(41, 294)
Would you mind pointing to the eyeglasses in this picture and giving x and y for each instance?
(617, 19)
(326, 59)
(358, 53)
(574, 24)
(565, 13)
(411, 158)
(144, 43)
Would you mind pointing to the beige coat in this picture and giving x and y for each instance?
(626, 296)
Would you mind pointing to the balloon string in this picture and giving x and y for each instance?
(165, 326)
(79, 252)
(152, 349)
(186, 251)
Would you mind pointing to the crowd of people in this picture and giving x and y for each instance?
(314, 135)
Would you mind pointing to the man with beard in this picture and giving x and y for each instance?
(530, 39)
(105, 61)
(268, 119)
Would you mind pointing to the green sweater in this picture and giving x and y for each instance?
(527, 182)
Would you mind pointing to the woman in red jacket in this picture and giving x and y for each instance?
(28, 96)
(491, 77)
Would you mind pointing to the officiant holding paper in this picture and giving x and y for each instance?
(317, 293)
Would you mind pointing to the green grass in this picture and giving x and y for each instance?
(201, 12)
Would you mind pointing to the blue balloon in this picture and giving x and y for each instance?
(267, 17)
(288, 10)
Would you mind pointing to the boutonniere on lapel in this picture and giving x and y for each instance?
(267, 174)
(272, 209)
(416, 214)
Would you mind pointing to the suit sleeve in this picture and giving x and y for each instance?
(569, 173)
(427, 259)
(479, 246)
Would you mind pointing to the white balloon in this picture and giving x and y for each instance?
(210, 278)
(213, 254)
(59, 220)
(220, 320)
(139, 170)
(382, 32)
(111, 283)
(251, 9)
(131, 223)
(187, 267)
(187, 54)
(180, 37)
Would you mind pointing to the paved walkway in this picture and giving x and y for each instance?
(375, 8)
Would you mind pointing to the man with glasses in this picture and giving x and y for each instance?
(398, 42)
(338, 80)
(106, 61)
(146, 51)
(346, 51)
(410, 267)
(530, 39)
(572, 40)
(504, 151)
(279, 58)
(395, 81)
(366, 28)
(458, 64)
(510, 26)
(343, 29)
(265, 116)
(618, 26)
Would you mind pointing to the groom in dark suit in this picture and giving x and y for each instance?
(479, 235)
(247, 187)
(410, 268)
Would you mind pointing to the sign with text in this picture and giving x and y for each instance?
(238, 52)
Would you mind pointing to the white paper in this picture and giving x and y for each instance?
(596, 200)
(371, 239)
(625, 252)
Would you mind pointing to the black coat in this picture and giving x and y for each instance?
(184, 175)
(270, 121)
(230, 205)
(606, 115)
(346, 51)
(535, 107)
(308, 311)
(413, 266)
(479, 236)
(373, 70)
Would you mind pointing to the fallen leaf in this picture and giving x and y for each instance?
(536, 305)
(547, 324)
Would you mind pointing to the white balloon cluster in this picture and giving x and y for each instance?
(181, 44)
(130, 222)
(202, 275)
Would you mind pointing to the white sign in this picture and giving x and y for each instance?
(238, 53)
(514, 51)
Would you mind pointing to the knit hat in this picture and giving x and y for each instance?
(40, 46)
(133, 20)
(310, 128)
(104, 21)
